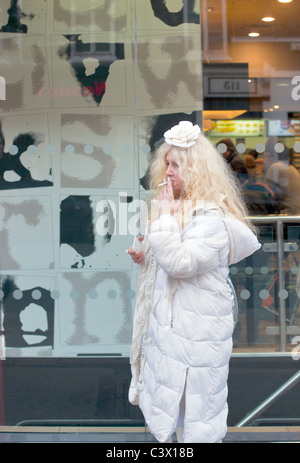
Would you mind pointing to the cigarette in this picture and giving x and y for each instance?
(164, 183)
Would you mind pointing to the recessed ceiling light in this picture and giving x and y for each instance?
(285, 1)
(254, 34)
(268, 19)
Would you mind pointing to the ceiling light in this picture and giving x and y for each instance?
(285, 1)
(268, 19)
(254, 34)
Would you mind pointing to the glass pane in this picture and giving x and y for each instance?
(251, 113)
(251, 86)
(88, 88)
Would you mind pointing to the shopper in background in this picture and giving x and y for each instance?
(254, 153)
(282, 177)
(250, 163)
(236, 163)
(259, 196)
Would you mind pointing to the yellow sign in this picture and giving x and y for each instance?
(238, 128)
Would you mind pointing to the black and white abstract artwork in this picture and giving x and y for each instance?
(87, 90)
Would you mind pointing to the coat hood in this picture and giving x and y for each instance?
(242, 241)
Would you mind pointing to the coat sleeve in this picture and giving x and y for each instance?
(202, 248)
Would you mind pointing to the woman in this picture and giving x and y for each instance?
(182, 337)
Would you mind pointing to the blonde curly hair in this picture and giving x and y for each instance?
(206, 176)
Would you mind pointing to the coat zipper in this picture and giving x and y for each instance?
(155, 305)
(171, 306)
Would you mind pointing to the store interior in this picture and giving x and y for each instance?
(265, 37)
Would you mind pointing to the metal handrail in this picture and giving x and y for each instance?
(270, 400)
(279, 221)
(275, 218)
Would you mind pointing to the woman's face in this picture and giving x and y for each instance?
(172, 171)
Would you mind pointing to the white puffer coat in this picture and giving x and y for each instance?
(182, 339)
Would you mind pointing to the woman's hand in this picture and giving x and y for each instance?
(138, 257)
(166, 202)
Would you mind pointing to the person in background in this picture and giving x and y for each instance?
(183, 321)
(260, 199)
(253, 153)
(259, 164)
(250, 163)
(282, 177)
(236, 163)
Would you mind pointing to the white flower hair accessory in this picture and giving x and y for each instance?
(183, 135)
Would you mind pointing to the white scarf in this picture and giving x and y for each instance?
(146, 283)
